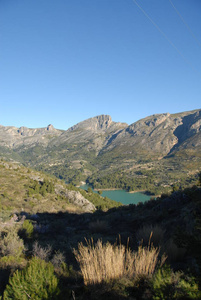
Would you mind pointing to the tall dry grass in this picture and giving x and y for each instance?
(102, 263)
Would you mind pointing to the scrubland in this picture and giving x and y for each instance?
(51, 248)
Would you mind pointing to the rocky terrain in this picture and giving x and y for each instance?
(27, 190)
(13, 137)
(99, 146)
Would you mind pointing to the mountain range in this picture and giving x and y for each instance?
(164, 147)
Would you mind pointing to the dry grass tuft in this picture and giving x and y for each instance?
(145, 261)
(102, 263)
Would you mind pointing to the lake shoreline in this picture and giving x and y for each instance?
(107, 190)
(131, 192)
(116, 189)
(120, 195)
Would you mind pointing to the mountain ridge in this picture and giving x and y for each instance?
(99, 146)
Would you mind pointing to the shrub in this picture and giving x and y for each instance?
(99, 226)
(58, 259)
(37, 281)
(170, 285)
(40, 252)
(27, 229)
(11, 262)
(8, 265)
(107, 262)
(11, 244)
(60, 266)
(174, 252)
(149, 233)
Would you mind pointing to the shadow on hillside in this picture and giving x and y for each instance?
(64, 230)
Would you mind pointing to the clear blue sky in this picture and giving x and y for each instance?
(63, 61)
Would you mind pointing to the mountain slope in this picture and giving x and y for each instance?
(159, 134)
(13, 137)
(29, 191)
(98, 146)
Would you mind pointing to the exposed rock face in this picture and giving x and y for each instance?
(50, 128)
(99, 123)
(99, 137)
(76, 198)
(92, 128)
(93, 132)
(13, 137)
(159, 134)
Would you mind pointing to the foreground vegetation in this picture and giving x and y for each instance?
(52, 249)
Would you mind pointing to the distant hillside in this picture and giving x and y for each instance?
(29, 191)
(154, 153)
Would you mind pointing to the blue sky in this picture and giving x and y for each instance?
(63, 61)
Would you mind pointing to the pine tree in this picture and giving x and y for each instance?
(37, 281)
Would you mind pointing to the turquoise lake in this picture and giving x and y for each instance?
(121, 195)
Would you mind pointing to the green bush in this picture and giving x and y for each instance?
(37, 281)
(27, 230)
(170, 285)
(12, 262)
(8, 265)
(42, 188)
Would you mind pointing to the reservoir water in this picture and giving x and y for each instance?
(121, 195)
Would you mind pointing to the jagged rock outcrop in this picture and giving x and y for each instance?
(93, 129)
(104, 141)
(75, 198)
(158, 134)
(13, 137)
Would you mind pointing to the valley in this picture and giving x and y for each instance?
(57, 231)
(155, 154)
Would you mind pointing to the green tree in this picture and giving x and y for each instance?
(170, 285)
(50, 187)
(27, 230)
(89, 190)
(37, 281)
(43, 190)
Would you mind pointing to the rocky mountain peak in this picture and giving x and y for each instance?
(50, 127)
(103, 121)
(98, 123)
(147, 125)
(23, 130)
